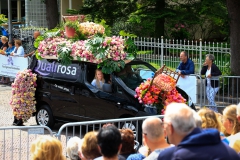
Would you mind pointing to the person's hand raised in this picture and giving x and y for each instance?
(204, 64)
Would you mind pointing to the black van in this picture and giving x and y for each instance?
(65, 93)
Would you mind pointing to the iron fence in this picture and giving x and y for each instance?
(228, 92)
(159, 51)
(15, 141)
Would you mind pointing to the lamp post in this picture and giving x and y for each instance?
(10, 20)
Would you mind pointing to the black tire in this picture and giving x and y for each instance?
(44, 116)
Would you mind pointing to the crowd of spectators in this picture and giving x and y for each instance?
(182, 134)
(15, 48)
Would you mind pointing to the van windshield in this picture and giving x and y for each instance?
(134, 74)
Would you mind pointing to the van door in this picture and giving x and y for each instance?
(97, 104)
(65, 102)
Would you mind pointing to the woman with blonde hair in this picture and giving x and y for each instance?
(210, 119)
(231, 125)
(230, 121)
(4, 41)
(46, 148)
(90, 146)
(98, 79)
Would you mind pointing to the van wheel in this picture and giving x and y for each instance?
(136, 131)
(44, 116)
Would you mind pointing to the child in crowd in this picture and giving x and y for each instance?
(98, 79)
(10, 49)
(89, 146)
(232, 126)
(210, 119)
(47, 147)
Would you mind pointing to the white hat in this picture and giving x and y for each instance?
(238, 109)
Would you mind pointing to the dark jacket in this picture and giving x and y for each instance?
(200, 145)
(214, 72)
(186, 68)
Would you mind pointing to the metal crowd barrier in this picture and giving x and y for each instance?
(79, 129)
(228, 93)
(15, 142)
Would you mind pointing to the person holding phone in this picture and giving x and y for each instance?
(212, 73)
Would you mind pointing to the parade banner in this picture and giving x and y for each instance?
(189, 85)
(11, 65)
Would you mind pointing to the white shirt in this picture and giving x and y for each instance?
(20, 51)
(208, 72)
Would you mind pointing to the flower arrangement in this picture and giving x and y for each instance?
(109, 52)
(89, 29)
(23, 92)
(159, 92)
(50, 46)
(3, 19)
(115, 47)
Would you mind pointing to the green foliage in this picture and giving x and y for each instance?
(38, 55)
(130, 48)
(180, 32)
(204, 19)
(3, 19)
(38, 40)
(94, 45)
(107, 27)
(72, 11)
(64, 55)
(72, 24)
(50, 33)
(227, 68)
(125, 34)
(109, 66)
(108, 10)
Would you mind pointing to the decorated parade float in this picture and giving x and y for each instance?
(87, 41)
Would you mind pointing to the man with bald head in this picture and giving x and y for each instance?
(186, 65)
(154, 137)
(192, 142)
(33, 49)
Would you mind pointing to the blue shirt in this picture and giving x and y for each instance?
(9, 50)
(186, 68)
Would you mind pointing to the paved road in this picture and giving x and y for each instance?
(15, 143)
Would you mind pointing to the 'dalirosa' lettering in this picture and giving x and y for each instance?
(49, 66)
(66, 70)
(74, 71)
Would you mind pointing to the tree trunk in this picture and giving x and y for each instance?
(233, 7)
(159, 23)
(52, 13)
